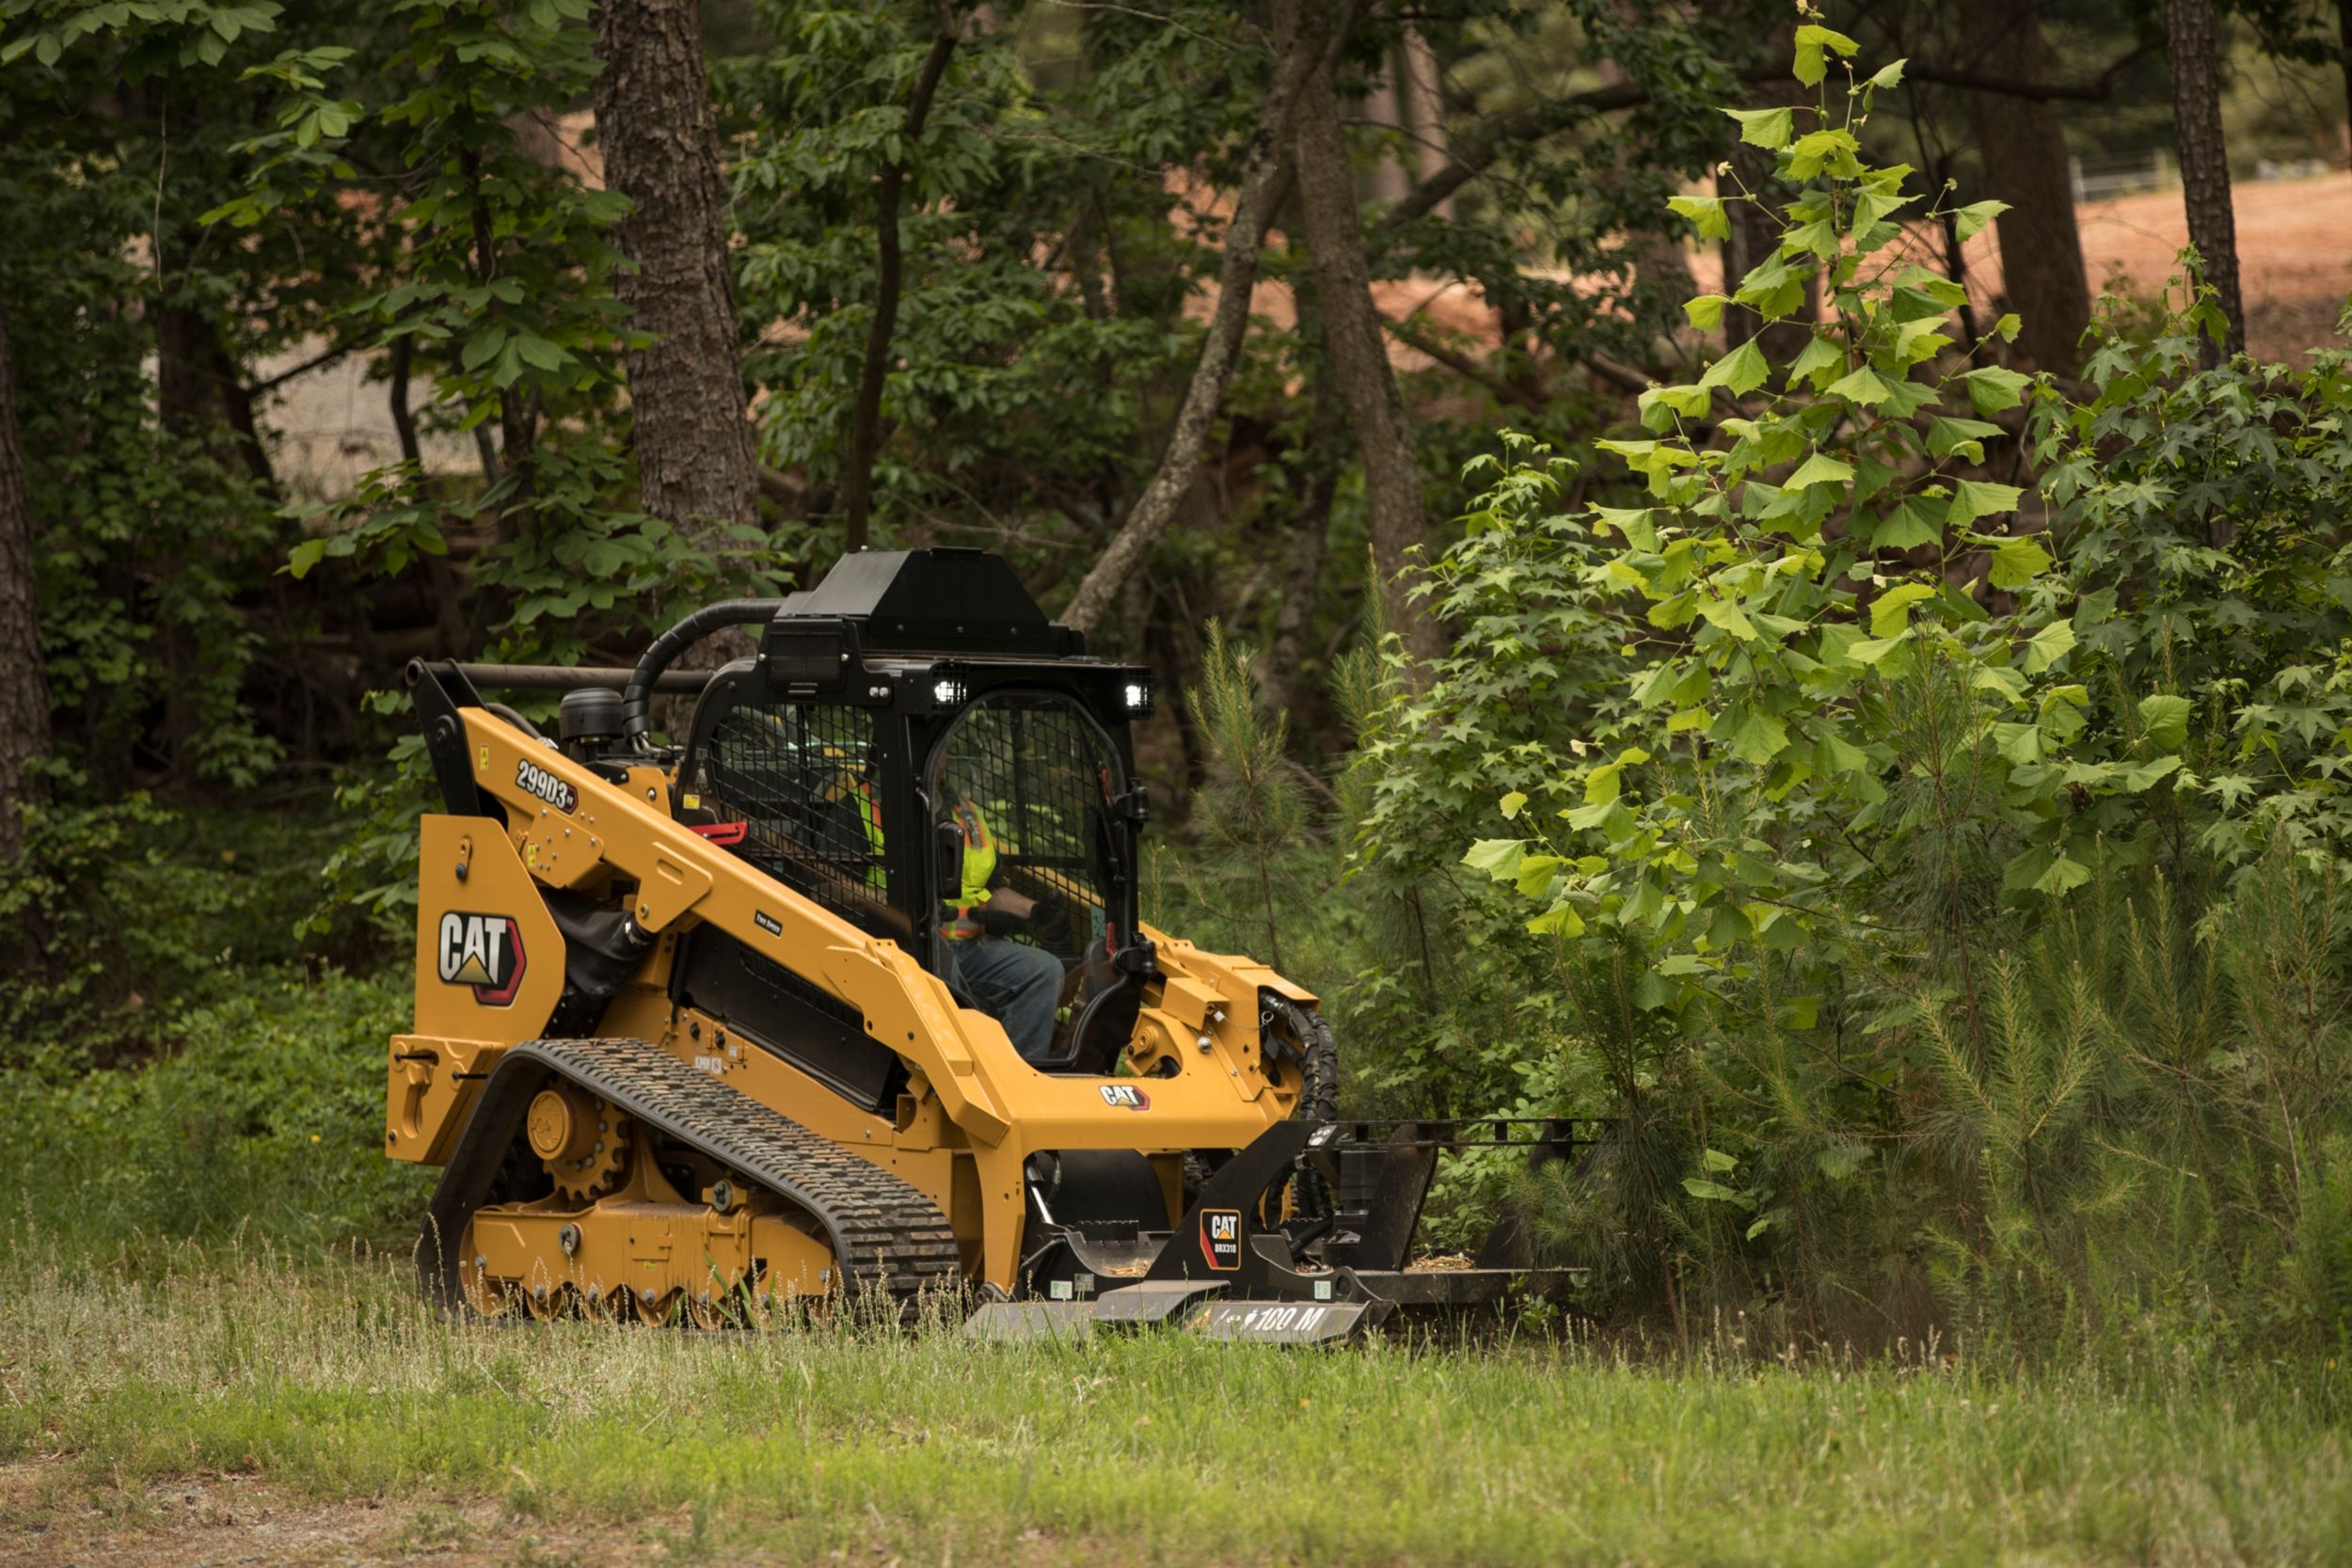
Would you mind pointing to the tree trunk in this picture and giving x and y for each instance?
(403, 412)
(1359, 351)
(2024, 142)
(1300, 45)
(695, 462)
(1425, 113)
(2343, 44)
(857, 474)
(1285, 667)
(23, 680)
(2189, 42)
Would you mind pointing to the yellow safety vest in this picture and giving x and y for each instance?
(869, 816)
(979, 869)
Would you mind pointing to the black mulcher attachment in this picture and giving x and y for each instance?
(1305, 1237)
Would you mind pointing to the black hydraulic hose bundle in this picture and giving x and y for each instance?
(637, 699)
(1318, 1053)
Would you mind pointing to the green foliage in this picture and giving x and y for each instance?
(1860, 843)
(265, 1119)
(1253, 807)
(1807, 694)
(123, 913)
(2206, 510)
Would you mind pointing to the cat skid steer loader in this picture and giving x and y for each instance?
(712, 1030)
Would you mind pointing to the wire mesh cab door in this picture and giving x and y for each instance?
(798, 788)
(1031, 779)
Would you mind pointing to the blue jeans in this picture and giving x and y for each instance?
(1018, 985)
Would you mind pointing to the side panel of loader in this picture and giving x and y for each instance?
(489, 968)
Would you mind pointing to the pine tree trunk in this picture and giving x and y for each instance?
(2195, 53)
(695, 460)
(1360, 358)
(23, 682)
(2023, 143)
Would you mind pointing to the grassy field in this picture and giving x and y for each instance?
(328, 1386)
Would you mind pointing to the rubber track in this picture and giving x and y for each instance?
(892, 1241)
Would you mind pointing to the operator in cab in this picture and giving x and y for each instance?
(1018, 983)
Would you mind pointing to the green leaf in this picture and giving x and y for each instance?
(1831, 150)
(1754, 737)
(538, 353)
(2164, 719)
(2139, 778)
(1511, 804)
(1660, 405)
(1811, 65)
(2048, 645)
(1890, 613)
(1870, 650)
(1717, 1160)
(1973, 217)
(482, 346)
(1727, 614)
(1918, 341)
(1536, 873)
(1908, 526)
(1889, 75)
(1834, 754)
(1706, 212)
(2008, 326)
(1973, 499)
(1740, 372)
(1819, 468)
(1499, 858)
(2063, 876)
(1996, 387)
(1862, 388)
(1948, 435)
(2017, 561)
(1714, 1192)
(1561, 921)
(1706, 312)
(1766, 128)
(1819, 359)
(304, 557)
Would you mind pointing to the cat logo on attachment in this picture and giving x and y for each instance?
(1221, 1239)
(483, 953)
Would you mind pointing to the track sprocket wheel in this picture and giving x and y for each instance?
(583, 1141)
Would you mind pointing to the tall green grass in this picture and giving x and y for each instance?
(161, 1361)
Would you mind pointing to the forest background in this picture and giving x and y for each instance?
(1875, 726)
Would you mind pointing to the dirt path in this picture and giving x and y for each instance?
(52, 1517)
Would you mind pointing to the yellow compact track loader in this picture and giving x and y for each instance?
(844, 999)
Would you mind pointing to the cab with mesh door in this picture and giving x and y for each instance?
(908, 695)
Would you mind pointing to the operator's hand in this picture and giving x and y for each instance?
(1004, 901)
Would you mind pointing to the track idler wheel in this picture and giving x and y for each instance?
(582, 1141)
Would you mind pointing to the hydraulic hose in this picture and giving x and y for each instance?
(638, 697)
(1318, 1055)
